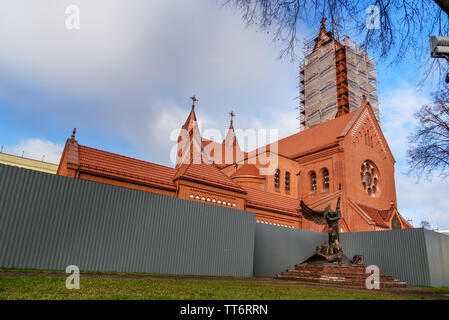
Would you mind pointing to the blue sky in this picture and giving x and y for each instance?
(124, 81)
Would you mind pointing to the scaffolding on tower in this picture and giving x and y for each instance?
(334, 75)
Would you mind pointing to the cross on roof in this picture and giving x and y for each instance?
(323, 20)
(194, 99)
(73, 135)
(232, 115)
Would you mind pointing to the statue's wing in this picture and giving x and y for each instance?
(312, 215)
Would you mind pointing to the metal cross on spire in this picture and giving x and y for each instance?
(194, 99)
(73, 135)
(323, 21)
(232, 114)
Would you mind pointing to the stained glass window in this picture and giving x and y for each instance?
(369, 175)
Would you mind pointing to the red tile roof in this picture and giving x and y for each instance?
(315, 137)
(247, 170)
(138, 171)
(379, 216)
(118, 166)
(385, 215)
(207, 174)
(271, 201)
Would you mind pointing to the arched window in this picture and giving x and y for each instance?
(313, 181)
(287, 181)
(326, 179)
(276, 178)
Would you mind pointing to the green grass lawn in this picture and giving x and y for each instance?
(29, 287)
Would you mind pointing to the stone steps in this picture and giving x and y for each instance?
(333, 269)
(337, 275)
(345, 275)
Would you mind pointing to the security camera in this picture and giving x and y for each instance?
(439, 47)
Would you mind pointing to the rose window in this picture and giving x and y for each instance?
(370, 178)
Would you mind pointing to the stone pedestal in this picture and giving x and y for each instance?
(354, 276)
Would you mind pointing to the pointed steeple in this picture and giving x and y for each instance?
(191, 119)
(72, 138)
(190, 144)
(231, 139)
(323, 24)
(231, 148)
(323, 37)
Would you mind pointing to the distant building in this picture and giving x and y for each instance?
(333, 78)
(442, 231)
(27, 163)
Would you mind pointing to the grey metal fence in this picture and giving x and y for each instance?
(400, 253)
(437, 246)
(277, 249)
(50, 222)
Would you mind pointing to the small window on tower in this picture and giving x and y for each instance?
(287, 181)
(313, 181)
(276, 178)
(326, 179)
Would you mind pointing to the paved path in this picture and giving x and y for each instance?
(409, 291)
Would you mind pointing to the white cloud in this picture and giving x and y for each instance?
(37, 149)
(130, 57)
(423, 200)
(397, 116)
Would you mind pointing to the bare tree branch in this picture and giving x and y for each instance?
(404, 27)
(429, 145)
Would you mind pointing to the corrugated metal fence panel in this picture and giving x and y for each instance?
(50, 222)
(438, 255)
(400, 253)
(277, 249)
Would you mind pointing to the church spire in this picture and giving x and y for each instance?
(231, 139)
(232, 117)
(191, 119)
(324, 36)
(72, 138)
(232, 150)
(190, 143)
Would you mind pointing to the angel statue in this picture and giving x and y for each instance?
(332, 252)
(329, 217)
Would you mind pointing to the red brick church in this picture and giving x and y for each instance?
(348, 150)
